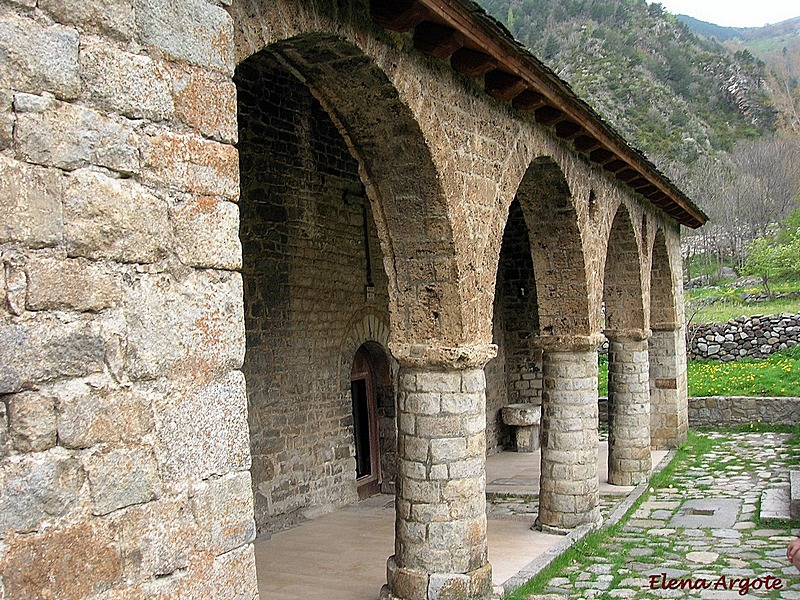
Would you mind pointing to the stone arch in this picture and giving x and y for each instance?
(514, 376)
(623, 289)
(556, 249)
(350, 76)
(663, 312)
(669, 419)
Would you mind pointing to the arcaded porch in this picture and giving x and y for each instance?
(343, 554)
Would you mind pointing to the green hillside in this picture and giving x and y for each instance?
(674, 95)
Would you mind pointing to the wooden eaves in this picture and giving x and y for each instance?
(478, 46)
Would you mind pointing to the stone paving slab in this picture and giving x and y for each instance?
(700, 537)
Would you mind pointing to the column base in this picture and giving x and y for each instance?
(629, 479)
(554, 530)
(405, 584)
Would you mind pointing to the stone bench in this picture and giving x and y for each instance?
(525, 419)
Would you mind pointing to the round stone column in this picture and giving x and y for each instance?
(569, 489)
(440, 523)
(629, 459)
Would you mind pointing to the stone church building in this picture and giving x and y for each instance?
(262, 258)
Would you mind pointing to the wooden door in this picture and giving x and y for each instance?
(365, 426)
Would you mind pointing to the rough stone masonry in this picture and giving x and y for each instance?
(210, 208)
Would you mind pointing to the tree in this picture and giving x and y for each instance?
(776, 255)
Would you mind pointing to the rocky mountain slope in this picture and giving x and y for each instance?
(673, 94)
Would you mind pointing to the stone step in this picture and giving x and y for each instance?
(775, 503)
(794, 495)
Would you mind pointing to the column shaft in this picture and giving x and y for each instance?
(440, 527)
(569, 494)
(669, 407)
(629, 460)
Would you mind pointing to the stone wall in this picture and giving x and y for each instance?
(744, 337)
(124, 453)
(719, 411)
(307, 264)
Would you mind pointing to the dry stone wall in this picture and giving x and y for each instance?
(725, 411)
(744, 337)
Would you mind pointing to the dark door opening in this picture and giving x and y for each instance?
(365, 426)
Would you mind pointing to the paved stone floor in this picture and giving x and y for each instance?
(347, 549)
(704, 529)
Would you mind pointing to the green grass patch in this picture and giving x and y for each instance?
(717, 304)
(602, 375)
(723, 312)
(778, 375)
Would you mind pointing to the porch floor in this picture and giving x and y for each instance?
(342, 555)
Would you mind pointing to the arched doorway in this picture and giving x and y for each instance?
(363, 389)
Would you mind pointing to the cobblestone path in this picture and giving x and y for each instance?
(703, 531)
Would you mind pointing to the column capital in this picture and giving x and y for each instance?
(666, 326)
(628, 335)
(450, 358)
(570, 343)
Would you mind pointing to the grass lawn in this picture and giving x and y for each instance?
(717, 304)
(778, 375)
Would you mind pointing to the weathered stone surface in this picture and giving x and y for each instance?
(223, 509)
(235, 575)
(68, 136)
(121, 477)
(193, 31)
(30, 204)
(58, 283)
(109, 17)
(54, 564)
(231, 576)
(46, 348)
(37, 487)
(193, 325)
(157, 538)
(114, 219)
(6, 119)
(15, 282)
(206, 101)
(91, 413)
(32, 421)
(207, 233)
(3, 429)
(192, 164)
(133, 85)
(201, 430)
(37, 58)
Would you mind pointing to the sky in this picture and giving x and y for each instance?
(735, 13)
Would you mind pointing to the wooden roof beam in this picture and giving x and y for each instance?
(399, 15)
(547, 115)
(472, 63)
(586, 143)
(568, 130)
(439, 41)
(627, 175)
(615, 166)
(529, 100)
(601, 156)
(503, 86)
